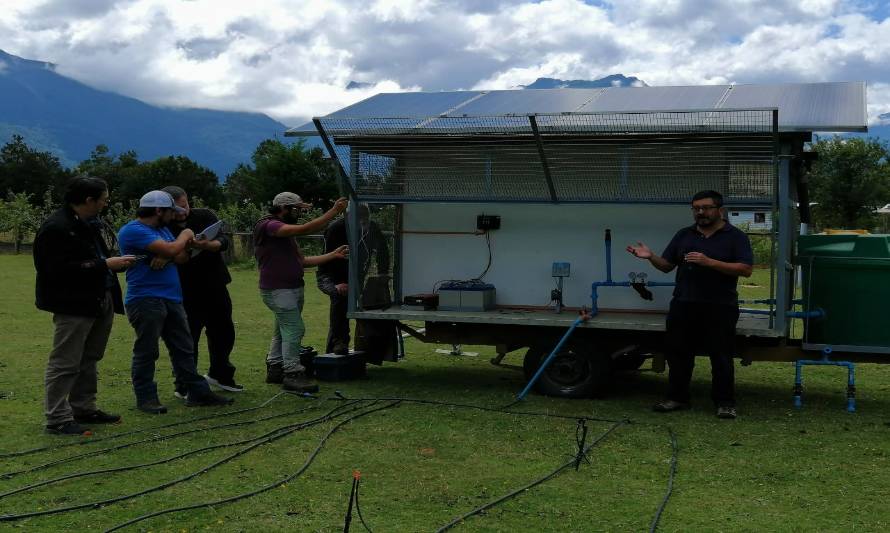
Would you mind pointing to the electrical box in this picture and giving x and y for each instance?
(561, 270)
(488, 222)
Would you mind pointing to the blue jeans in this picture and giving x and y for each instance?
(287, 305)
(159, 318)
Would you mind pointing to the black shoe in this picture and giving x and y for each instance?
(152, 407)
(228, 385)
(341, 348)
(298, 382)
(274, 373)
(209, 399)
(68, 428)
(97, 417)
(181, 393)
(308, 351)
(727, 412)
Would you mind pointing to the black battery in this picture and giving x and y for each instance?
(333, 367)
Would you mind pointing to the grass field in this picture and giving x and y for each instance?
(773, 469)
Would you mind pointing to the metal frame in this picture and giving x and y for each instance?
(782, 235)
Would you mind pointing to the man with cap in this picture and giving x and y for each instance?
(154, 303)
(76, 282)
(281, 266)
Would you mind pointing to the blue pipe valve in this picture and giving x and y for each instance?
(825, 361)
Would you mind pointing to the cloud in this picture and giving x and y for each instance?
(293, 59)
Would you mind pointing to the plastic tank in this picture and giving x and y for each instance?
(848, 276)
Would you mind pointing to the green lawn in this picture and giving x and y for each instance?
(773, 469)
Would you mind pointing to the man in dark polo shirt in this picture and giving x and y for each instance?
(710, 256)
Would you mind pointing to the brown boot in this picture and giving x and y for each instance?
(298, 382)
(274, 373)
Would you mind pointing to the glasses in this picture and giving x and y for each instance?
(703, 208)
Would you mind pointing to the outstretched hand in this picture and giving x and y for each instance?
(342, 252)
(640, 250)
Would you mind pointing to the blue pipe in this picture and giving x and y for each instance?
(825, 361)
(596, 284)
(531, 382)
(608, 256)
(609, 283)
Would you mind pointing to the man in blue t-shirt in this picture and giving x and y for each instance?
(154, 304)
(710, 256)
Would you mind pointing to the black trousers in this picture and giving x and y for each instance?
(695, 328)
(211, 311)
(338, 324)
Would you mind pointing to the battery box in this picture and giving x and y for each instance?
(466, 296)
(333, 367)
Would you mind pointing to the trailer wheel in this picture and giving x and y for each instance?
(575, 372)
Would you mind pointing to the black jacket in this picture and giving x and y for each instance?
(71, 275)
(207, 270)
(372, 243)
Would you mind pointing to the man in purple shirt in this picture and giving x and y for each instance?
(281, 283)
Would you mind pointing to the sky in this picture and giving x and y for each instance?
(292, 59)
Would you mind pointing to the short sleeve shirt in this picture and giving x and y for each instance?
(279, 258)
(696, 283)
(142, 280)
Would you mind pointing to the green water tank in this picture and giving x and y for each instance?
(848, 276)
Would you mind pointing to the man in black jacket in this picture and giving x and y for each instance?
(76, 282)
(333, 277)
(204, 294)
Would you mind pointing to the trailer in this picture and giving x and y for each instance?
(504, 207)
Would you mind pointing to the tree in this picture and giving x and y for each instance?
(849, 182)
(128, 178)
(19, 217)
(280, 167)
(26, 170)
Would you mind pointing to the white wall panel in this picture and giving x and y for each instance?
(531, 238)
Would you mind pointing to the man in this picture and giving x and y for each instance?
(710, 255)
(154, 304)
(205, 297)
(281, 267)
(76, 282)
(333, 277)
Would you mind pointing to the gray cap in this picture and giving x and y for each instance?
(288, 198)
(159, 199)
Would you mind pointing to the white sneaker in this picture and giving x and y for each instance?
(229, 387)
(180, 395)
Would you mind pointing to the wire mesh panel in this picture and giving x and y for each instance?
(568, 157)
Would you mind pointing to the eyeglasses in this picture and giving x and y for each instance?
(703, 208)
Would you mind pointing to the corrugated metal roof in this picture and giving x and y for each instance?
(838, 106)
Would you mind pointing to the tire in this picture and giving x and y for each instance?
(577, 371)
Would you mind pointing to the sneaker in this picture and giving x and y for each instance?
(182, 394)
(97, 417)
(207, 400)
(152, 407)
(228, 385)
(298, 382)
(274, 373)
(667, 406)
(726, 412)
(68, 428)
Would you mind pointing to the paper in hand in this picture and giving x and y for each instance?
(209, 233)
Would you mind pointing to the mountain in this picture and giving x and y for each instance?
(68, 118)
(615, 80)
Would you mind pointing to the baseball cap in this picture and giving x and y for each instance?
(159, 199)
(288, 198)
